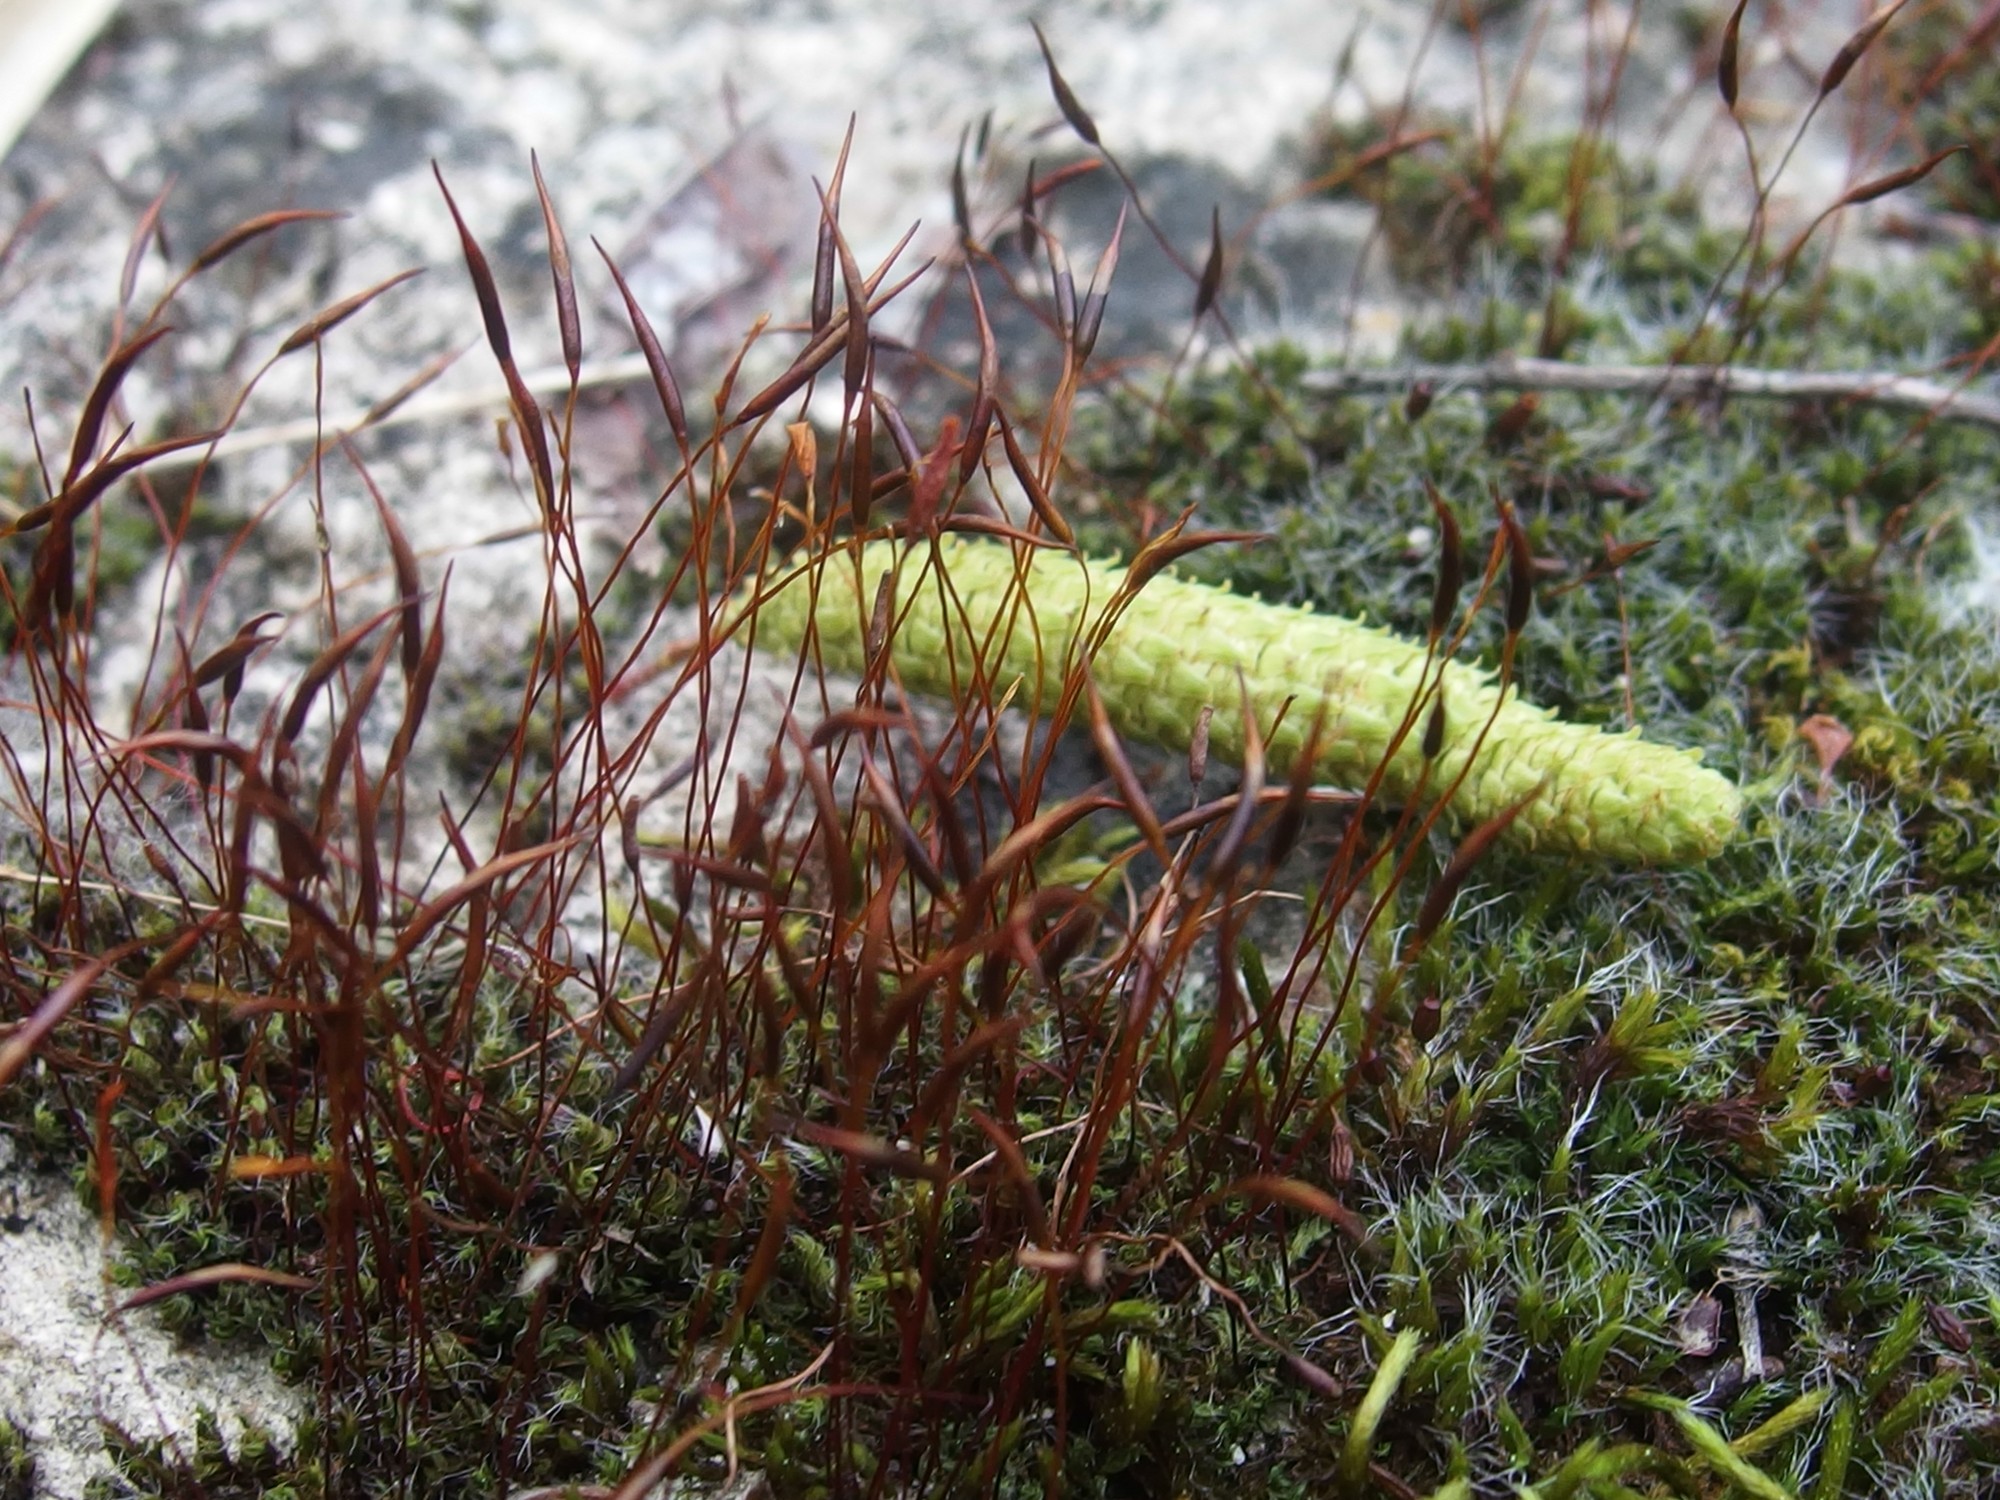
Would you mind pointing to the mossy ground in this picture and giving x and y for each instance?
(1802, 1030)
(1658, 1110)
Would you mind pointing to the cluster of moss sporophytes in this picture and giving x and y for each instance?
(1356, 698)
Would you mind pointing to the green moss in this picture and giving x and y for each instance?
(17, 1464)
(255, 1467)
(1802, 1025)
(1452, 201)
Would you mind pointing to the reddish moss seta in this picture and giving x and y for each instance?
(1175, 646)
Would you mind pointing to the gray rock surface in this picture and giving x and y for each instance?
(67, 1365)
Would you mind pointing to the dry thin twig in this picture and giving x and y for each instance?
(1679, 382)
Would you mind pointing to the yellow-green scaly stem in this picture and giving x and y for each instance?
(1177, 646)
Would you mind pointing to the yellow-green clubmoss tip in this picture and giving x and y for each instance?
(1176, 646)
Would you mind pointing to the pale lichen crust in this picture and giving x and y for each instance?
(994, 614)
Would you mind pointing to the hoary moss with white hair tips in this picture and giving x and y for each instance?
(1177, 646)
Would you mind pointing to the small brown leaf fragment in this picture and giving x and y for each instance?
(1229, 847)
(107, 1158)
(943, 1080)
(1698, 1328)
(1198, 747)
(419, 925)
(403, 559)
(27, 1035)
(527, 414)
(835, 845)
(1949, 1327)
(1015, 1164)
(323, 667)
(1291, 819)
(1031, 838)
(947, 821)
(52, 590)
(866, 722)
(197, 720)
(1053, 1263)
(177, 953)
(1506, 429)
(1339, 1151)
(257, 1168)
(417, 689)
(1830, 740)
(855, 337)
(628, 835)
(53, 587)
(747, 845)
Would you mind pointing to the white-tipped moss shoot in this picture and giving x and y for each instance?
(1176, 646)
